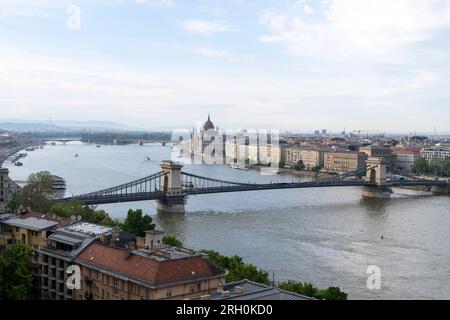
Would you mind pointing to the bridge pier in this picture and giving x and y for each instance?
(382, 192)
(164, 208)
(376, 175)
(440, 189)
(174, 201)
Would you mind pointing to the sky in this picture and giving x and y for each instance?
(299, 65)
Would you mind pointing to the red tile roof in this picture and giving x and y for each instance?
(146, 269)
(406, 150)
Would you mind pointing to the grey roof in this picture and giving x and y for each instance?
(32, 223)
(78, 235)
(5, 216)
(256, 291)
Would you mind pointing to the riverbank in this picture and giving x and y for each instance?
(302, 174)
(6, 152)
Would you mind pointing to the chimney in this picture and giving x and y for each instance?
(238, 290)
(226, 294)
(102, 238)
(153, 239)
(140, 243)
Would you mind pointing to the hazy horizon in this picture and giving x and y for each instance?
(295, 65)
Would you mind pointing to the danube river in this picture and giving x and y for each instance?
(325, 236)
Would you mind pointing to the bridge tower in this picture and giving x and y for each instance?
(174, 200)
(376, 175)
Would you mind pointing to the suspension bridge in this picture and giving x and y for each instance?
(171, 186)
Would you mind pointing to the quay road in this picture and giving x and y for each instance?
(7, 151)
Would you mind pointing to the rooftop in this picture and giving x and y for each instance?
(32, 223)
(249, 290)
(148, 268)
(86, 229)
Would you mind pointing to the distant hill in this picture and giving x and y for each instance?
(94, 125)
(64, 126)
(29, 126)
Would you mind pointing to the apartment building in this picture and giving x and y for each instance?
(406, 158)
(5, 189)
(436, 153)
(63, 246)
(155, 272)
(345, 161)
(310, 157)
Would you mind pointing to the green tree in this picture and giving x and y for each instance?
(237, 268)
(137, 223)
(421, 166)
(172, 241)
(306, 289)
(309, 290)
(332, 293)
(316, 169)
(37, 194)
(87, 213)
(299, 166)
(15, 272)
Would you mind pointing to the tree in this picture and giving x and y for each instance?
(87, 213)
(237, 268)
(15, 272)
(172, 241)
(306, 289)
(309, 290)
(137, 223)
(421, 166)
(37, 194)
(333, 293)
(299, 166)
(316, 169)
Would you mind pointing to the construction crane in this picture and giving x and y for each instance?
(359, 132)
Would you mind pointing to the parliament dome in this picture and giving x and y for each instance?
(208, 125)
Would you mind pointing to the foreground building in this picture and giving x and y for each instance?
(155, 272)
(245, 290)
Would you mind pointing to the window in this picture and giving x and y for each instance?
(115, 285)
(168, 293)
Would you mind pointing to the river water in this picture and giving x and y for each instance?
(325, 236)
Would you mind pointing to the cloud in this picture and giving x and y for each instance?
(207, 28)
(157, 3)
(227, 55)
(354, 27)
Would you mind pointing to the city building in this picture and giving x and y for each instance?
(63, 246)
(6, 191)
(436, 153)
(310, 157)
(376, 151)
(155, 272)
(249, 290)
(345, 161)
(406, 158)
(207, 144)
(5, 138)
